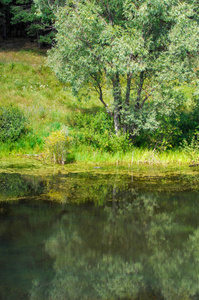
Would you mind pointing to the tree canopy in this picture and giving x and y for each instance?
(33, 18)
(139, 50)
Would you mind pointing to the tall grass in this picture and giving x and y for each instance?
(136, 156)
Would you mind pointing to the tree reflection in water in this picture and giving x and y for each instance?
(99, 237)
(123, 251)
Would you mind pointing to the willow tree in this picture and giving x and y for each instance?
(134, 48)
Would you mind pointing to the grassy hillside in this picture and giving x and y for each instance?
(27, 82)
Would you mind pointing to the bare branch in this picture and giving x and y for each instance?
(98, 89)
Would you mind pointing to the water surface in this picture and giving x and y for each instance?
(99, 235)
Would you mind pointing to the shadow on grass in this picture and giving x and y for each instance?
(84, 111)
(25, 44)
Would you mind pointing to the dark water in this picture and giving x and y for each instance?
(95, 236)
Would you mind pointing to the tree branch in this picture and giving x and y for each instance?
(140, 89)
(98, 89)
(128, 88)
(109, 15)
(148, 95)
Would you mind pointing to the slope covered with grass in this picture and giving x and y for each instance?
(27, 82)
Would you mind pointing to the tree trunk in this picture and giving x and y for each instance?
(117, 102)
(116, 122)
(127, 101)
(137, 105)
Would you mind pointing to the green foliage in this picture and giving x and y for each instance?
(166, 121)
(125, 248)
(140, 51)
(34, 18)
(16, 185)
(98, 131)
(4, 16)
(170, 120)
(12, 123)
(57, 145)
(192, 148)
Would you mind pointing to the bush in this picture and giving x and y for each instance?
(192, 148)
(98, 131)
(57, 145)
(174, 124)
(12, 123)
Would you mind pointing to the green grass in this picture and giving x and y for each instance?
(27, 82)
(88, 155)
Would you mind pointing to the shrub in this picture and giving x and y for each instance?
(57, 145)
(12, 123)
(98, 131)
(192, 148)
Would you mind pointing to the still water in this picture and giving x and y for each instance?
(99, 236)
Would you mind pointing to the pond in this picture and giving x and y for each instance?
(98, 234)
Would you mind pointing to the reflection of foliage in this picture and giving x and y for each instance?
(114, 238)
(16, 185)
(82, 188)
(96, 276)
(119, 279)
(109, 279)
(23, 228)
(124, 249)
(175, 272)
